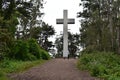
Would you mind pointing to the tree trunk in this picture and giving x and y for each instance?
(118, 39)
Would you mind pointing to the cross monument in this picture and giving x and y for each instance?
(65, 21)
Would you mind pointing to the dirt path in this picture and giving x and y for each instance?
(56, 69)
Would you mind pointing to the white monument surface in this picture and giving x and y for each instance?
(65, 21)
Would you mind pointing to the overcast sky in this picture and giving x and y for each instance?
(54, 9)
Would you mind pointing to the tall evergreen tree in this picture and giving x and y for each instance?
(98, 24)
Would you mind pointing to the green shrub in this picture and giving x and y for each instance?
(45, 55)
(37, 51)
(30, 57)
(21, 50)
(27, 50)
(34, 48)
(98, 70)
(113, 77)
(101, 64)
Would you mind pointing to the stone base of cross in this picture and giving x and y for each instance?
(65, 21)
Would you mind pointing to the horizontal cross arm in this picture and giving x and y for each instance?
(61, 21)
(71, 21)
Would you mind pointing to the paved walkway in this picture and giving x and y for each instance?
(56, 69)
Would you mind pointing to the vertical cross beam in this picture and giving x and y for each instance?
(65, 34)
(65, 21)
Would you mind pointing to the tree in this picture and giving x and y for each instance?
(73, 44)
(11, 14)
(10, 21)
(6, 42)
(31, 17)
(7, 25)
(98, 24)
(46, 32)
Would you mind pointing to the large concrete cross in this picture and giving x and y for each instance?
(65, 21)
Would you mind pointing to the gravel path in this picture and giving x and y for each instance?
(56, 69)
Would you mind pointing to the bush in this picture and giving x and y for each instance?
(37, 51)
(45, 55)
(98, 70)
(20, 51)
(27, 50)
(34, 48)
(101, 64)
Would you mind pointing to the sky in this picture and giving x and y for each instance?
(53, 10)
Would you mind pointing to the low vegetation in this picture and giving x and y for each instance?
(27, 50)
(105, 65)
(13, 66)
(10, 66)
(22, 56)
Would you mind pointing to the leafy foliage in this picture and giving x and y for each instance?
(46, 32)
(16, 43)
(34, 48)
(100, 31)
(27, 50)
(26, 14)
(101, 64)
(45, 55)
(20, 51)
(5, 42)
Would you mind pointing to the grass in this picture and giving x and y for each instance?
(105, 65)
(2, 75)
(13, 66)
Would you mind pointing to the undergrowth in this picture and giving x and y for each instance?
(13, 66)
(105, 65)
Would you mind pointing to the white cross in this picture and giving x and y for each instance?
(65, 21)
